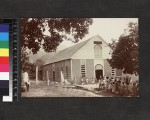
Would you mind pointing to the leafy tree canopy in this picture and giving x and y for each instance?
(33, 35)
(59, 29)
(125, 55)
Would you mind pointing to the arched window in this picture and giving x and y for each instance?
(98, 51)
(98, 67)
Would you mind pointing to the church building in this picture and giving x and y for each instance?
(87, 59)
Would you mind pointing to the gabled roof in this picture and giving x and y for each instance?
(42, 60)
(68, 52)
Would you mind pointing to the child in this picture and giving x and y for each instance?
(100, 83)
(113, 87)
(122, 89)
(126, 89)
(82, 81)
(87, 81)
(93, 81)
(110, 85)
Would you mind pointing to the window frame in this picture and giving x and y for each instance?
(98, 51)
(83, 67)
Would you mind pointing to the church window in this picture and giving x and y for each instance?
(98, 51)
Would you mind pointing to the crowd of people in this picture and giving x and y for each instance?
(122, 86)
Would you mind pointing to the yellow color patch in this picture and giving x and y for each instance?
(4, 52)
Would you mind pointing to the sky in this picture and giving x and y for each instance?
(107, 28)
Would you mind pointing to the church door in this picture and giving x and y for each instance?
(98, 71)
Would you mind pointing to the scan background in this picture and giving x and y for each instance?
(84, 108)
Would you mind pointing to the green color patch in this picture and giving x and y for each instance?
(4, 44)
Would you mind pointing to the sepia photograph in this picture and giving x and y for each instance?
(79, 57)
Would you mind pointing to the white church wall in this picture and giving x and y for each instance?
(87, 51)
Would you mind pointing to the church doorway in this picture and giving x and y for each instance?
(98, 71)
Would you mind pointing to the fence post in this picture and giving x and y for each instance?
(36, 75)
(47, 78)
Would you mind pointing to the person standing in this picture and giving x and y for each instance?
(110, 85)
(82, 81)
(93, 81)
(107, 83)
(123, 89)
(100, 82)
(26, 79)
(87, 81)
(114, 86)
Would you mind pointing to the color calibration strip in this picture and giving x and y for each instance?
(9, 59)
(4, 60)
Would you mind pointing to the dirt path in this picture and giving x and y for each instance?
(43, 90)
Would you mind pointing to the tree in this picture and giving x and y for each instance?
(125, 55)
(33, 35)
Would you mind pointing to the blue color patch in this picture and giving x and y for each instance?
(4, 36)
(4, 28)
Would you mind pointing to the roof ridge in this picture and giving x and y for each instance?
(69, 52)
(75, 45)
(72, 46)
(102, 39)
(83, 44)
